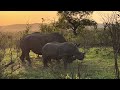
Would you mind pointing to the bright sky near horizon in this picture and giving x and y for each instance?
(22, 17)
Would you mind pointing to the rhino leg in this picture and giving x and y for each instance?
(65, 65)
(28, 57)
(65, 62)
(49, 60)
(45, 61)
(58, 61)
(22, 57)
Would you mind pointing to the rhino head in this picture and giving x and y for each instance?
(79, 56)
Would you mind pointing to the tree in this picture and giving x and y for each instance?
(28, 27)
(48, 28)
(74, 19)
(112, 26)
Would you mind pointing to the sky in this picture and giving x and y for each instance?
(23, 17)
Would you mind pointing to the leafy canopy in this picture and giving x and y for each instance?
(74, 19)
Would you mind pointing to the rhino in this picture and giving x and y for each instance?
(35, 42)
(67, 51)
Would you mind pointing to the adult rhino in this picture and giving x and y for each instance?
(35, 42)
(66, 51)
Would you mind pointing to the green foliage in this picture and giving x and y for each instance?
(75, 19)
(48, 28)
(28, 27)
(112, 27)
(45, 28)
(98, 65)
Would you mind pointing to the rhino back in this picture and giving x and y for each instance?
(51, 50)
(68, 49)
(43, 38)
(59, 49)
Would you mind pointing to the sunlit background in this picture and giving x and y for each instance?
(22, 17)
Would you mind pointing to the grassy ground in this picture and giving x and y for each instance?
(98, 64)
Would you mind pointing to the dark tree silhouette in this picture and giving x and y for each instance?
(75, 19)
(112, 26)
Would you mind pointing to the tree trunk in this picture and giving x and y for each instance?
(116, 64)
(84, 44)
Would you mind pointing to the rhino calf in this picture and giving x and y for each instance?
(66, 51)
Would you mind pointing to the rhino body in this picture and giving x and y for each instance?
(66, 51)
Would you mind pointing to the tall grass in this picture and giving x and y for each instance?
(95, 66)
